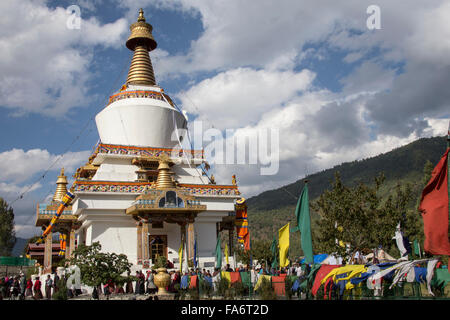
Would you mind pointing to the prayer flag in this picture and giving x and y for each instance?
(283, 243)
(435, 210)
(304, 224)
(226, 253)
(218, 253)
(180, 255)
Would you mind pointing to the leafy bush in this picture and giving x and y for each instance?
(61, 294)
(222, 286)
(161, 262)
(239, 289)
(265, 291)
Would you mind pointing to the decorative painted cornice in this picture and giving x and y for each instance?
(141, 187)
(149, 94)
(148, 151)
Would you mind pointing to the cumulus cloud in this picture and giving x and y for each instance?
(21, 184)
(18, 165)
(240, 96)
(45, 65)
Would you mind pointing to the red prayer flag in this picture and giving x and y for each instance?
(322, 273)
(247, 241)
(193, 283)
(235, 277)
(278, 285)
(435, 210)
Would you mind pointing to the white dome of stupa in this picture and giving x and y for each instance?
(141, 114)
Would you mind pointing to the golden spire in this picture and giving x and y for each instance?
(164, 179)
(61, 187)
(141, 41)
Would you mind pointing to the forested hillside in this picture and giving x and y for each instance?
(272, 209)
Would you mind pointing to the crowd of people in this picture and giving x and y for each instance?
(23, 287)
(20, 286)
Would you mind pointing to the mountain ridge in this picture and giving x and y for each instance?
(413, 157)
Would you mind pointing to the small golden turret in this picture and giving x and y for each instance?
(141, 41)
(61, 187)
(164, 179)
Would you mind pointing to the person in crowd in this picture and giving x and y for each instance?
(106, 289)
(137, 287)
(146, 280)
(142, 282)
(37, 289)
(48, 287)
(151, 287)
(216, 278)
(8, 283)
(2, 288)
(55, 282)
(29, 288)
(253, 276)
(177, 277)
(228, 268)
(129, 285)
(70, 294)
(14, 288)
(23, 285)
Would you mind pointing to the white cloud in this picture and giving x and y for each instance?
(21, 184)
(45, 65)
(239, 97)
(18, 165)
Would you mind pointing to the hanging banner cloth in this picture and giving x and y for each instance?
(241, 221)
(62, 245)
(65, 202)
(434, 206)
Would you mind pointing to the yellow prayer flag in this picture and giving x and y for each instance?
(283, 244)
(226, 275)
(226, 253)
(180, 256)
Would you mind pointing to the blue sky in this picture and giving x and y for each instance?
(334, 89)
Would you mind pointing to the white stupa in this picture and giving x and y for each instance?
(139, 194)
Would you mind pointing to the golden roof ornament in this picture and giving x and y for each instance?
(61, 187)
(164, 179)
(141, 41)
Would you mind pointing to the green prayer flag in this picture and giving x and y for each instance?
(274, 249)
(416, 247)
(218, 253)
(304, 224)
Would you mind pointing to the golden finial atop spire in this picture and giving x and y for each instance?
(141, 41)
(141, 16)
(61, 187)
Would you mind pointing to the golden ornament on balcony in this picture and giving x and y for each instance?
(61, 187)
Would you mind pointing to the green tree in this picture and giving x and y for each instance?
(98, 267)
(7, 233)
(359, 217)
